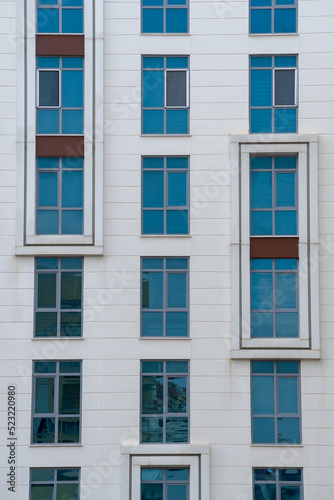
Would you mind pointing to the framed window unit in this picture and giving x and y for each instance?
(165, 297)
(54, 484)
(276, 402)
(165, 95)
(273, 16)
(275, 287)
(280, 484)
(274, 298)
(56, 402)
(165, 402)
(60, 196)
(273, 94)
(165, 16)
(60, 95)
(165, 483)
(274, 195)
(59, 16)
(58, 299)
(165, 195)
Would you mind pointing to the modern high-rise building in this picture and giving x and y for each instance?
(167, 249)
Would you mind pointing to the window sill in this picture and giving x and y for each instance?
(165, 235)
(58, 445)
(165, 338)
(272, 34)
(165, 34)
(57, 338)
(269, 445)
(165, 135)
(59, 250)
(287, 353)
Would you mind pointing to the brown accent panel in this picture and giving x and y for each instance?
(274, 248)
(60, 45)
(60, 145)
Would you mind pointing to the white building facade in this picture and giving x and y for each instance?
(167, 249)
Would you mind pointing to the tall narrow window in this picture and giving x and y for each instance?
(60, 196)
(276, 410)
(165, 95)
(51, 484)
(165, 195)
(165, 297)
(273, 94)
(165, 16)
(56, 402)
(273, 16)
(59, 16)
(274, 297)
(165, 402)
(59, 95)
(58, 297)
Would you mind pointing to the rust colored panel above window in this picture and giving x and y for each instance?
(60, 45)
(274, 248)
(61, 146)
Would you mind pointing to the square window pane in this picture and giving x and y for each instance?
(42, 475)
(72, 21)
(177, 121)
(42, 492)
(47, 222)
(152, 324)
(177, 20)
(290, 493)
(260, 21)
(152, 491)
(177, 222)
(285, 120)
(70, 324)
(261, 121)
(68, 430)
(262, 325)
(177, 430)
(288, 430)
(47, 121)
(153, 121)
(285, 21)
(152, 430)
(287, 325)
(265, 492)
(46, 324)
(43, 430)
(153, 21)
(47, 21)
(72, 121)
(72, 222)
(177, 491)
(261, 223)
(67, 492)
(286, 222)
(153, 222)
(263, 430)
(176, 324)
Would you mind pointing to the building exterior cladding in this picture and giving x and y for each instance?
(197, 362)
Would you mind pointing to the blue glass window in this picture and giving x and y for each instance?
(274, 298)
(278, 484)
(273, 195)
(273, 16)
(276, 413)
(165, 484)
(165, 16)
(165, 95)
(59, 95)
(59, 16)
(47, 484)
(56, 402)
(58, 303)
(59, 196)
(165, 195)
(273, 94)
(165, 403)
(165, 297)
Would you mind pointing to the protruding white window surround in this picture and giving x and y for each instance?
(192, 456)
(307, 346)
(91, 241)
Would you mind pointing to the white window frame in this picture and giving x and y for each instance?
(295, 104)
(183, 70)
(307, 345)
(194, 457)
(91, 241)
